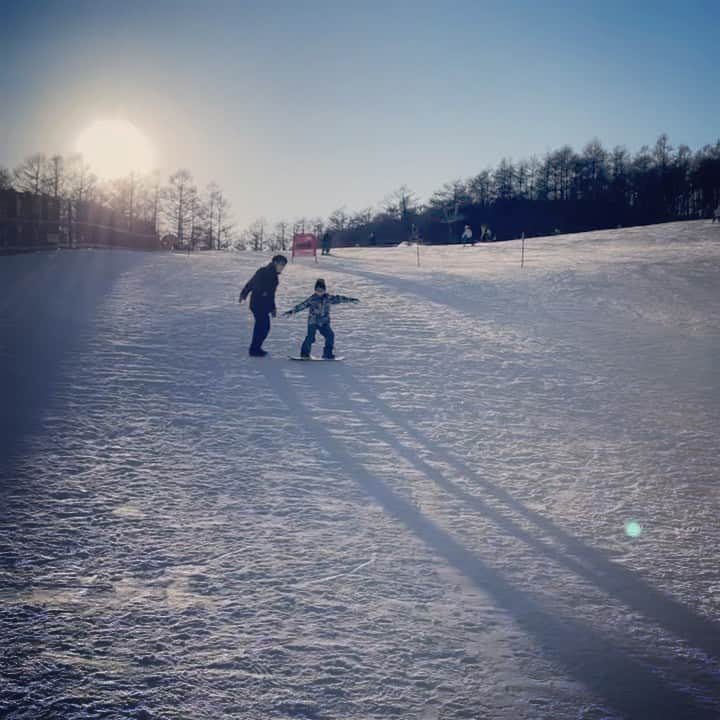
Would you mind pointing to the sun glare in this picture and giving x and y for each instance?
(115, 148)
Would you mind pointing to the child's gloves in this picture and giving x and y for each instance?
(287, 313)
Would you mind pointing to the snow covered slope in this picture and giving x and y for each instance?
(434, 528)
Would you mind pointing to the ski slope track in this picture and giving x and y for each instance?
(435, 528)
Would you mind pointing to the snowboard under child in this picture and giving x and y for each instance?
(319, 318)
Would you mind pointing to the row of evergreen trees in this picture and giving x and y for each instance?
(563, 192)
(196, 218)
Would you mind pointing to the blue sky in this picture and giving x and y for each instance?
(299, 108)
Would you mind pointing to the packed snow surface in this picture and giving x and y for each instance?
(503, 503)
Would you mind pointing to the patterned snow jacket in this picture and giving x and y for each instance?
(320, 307)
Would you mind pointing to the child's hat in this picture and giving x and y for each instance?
(319, 284)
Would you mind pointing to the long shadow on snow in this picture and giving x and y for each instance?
(48, 316)
(632, 688)
(579, 557)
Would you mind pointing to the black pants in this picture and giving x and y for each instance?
(261, 330)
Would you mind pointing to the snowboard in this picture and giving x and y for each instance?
(312, 358)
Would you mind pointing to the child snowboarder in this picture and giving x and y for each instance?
(319, 318)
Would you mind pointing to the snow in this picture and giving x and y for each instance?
(434, 528)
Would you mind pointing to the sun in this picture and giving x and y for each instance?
(115, 148)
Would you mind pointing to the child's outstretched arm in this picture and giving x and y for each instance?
(300, 306)
(337, 299)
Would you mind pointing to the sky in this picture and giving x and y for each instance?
(299, 108)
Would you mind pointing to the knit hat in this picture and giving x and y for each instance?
(320, 284)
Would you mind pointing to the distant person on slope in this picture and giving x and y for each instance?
(716, 215)
(467, 236)
(261, 287)
(319, 318)
(326, 243)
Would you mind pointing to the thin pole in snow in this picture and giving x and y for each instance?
(522, 255)
(418, 252)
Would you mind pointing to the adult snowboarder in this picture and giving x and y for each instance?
(261, 287)
(326, 242)
(319, 318)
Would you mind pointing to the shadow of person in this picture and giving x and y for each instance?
(627, 683)
(576, 555)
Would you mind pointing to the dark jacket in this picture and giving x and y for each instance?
(262, 285)
(320, 307)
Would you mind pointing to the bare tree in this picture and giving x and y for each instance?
(226, 235)
(123, 197)
(451, 194)
(361, 219)
(177, 203)
(317, 226)
(338, 221)
(400, 203)
(82, 183)
(31, 174)
(147, 199)
(197, 217)
(56, 179)
(280, 235)
(5, 179)
(255, 235)
(213, 192)
(223, 225)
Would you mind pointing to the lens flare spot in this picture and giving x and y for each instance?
(633, 529)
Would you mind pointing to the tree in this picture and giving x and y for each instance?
(177, 203)
(31, 174)
(593, 170)
(681, 181)
(255, 235)
(213, 192)
(5, 179)
(222, 218)
(197, 217)
(338, 221)
(479, 188)
(280, 235)
(452, 194)
(56, 180)
(401, 204)
(361, 219)
(705, 176)
(81, 182)
(122, 196)
(147, 199)
(504, 180)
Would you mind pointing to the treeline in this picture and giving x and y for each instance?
(564, 192)
(189, 217)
